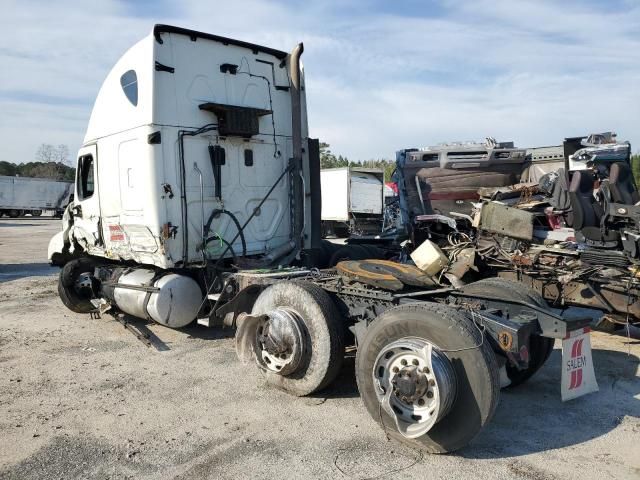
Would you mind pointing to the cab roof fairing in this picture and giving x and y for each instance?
(113, 112)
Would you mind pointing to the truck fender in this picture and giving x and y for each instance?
(61, 248)
(56, 249)
(241, 303)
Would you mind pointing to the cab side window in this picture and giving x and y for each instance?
(85, 177)
(129, 83)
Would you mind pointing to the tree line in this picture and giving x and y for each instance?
(50, 162)
(330, 160)
(635, 167)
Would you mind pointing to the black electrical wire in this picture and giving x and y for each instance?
(217, 212)
(273, 122)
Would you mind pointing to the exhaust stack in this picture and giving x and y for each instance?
(296, 133)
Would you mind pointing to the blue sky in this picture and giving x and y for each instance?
(381, 75)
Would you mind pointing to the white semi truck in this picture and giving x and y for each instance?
(23, 195)
(352, 200)
(198, 196)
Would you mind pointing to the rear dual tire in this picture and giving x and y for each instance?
(540, 348)
(322, 334)
(471, 357)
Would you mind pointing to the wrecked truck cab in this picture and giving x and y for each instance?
(446, 177)
(196, 154)
(568, 226)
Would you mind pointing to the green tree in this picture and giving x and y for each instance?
(342, 161)
(387, 165)
(51, 170)
(635, 167)
(389, 168)
(7, 168)
(329, 160)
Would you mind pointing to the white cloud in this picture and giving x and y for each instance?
(533, 72)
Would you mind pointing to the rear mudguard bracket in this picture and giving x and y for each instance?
(549, 323)
(243, 302)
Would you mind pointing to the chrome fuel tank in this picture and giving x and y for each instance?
(170, 299)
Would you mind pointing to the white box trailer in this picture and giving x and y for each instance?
(352, 200)
(23, 195)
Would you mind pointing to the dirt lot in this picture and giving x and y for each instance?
(83, 398)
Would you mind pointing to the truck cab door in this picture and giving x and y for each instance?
(86, 204)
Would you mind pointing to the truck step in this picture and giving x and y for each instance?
(203, 321)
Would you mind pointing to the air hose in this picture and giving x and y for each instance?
(217, 212)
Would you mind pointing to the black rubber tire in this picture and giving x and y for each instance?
(13, 213)
(374, 252)
(323, 331)
(356, 252)
(36, 213)
(540, 348)
(524, 292)
(348, 252)
(313, 258)
(66, 281)
(476, 368)
(319, 257)
(340, 230)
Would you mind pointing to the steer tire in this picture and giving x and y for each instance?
(473, 361)
(540, 348)
(76, 301)
(323, 333)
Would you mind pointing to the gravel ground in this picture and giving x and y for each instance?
(83, 398)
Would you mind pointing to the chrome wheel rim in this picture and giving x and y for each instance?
(415, 384)
(279, 341)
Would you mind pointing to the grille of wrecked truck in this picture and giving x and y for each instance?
(198, 198)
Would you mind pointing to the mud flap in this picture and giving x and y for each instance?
(246, 335)
(578, 377)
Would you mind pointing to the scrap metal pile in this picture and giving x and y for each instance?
(573, 235)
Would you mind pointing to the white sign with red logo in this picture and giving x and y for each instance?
(578, 377)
